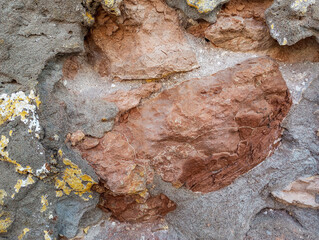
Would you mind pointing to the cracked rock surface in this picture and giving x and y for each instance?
(141, 119)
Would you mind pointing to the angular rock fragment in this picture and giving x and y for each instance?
(292, 20)
(196, 9)
(203, 133)
(304, 192)
(146, 42)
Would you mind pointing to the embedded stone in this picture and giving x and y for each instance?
(146, 42)
(302, 192)
(130, 208)
(228, 123)
(290, 21)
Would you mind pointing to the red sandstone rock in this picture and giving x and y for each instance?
(126, 100)
(146, 42)
(239, 34)
(203, 133)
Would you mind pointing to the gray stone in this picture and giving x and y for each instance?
(32, 32)
(70, 212)
(34, 38)
(206, 10)
(93, 116)
(276, 224)
(292, 20)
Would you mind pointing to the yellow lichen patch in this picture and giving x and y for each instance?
(47, 235)
(20, 105)
(284, 42)
(60, 152)
(45, 203)
(109, 3)
(67, 162)
(88, 18)
(272, 26)
(85, 230)
(23, 183)
(59, 193)
(10, 133)
(3, 194)
(73, 180)
(5, 221)
(24, 232)
(203, 6)
(4, 156)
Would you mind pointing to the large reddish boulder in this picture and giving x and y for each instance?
(202, 134)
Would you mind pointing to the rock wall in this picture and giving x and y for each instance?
(153, 119)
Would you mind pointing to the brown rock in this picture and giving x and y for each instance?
(146, 42)
(239, 34)
(198, 29)
(203, 133)
(90, 143)
(76, 137)
(246, 9)
(241, 26)
(70, 68)
(126, 100)
(303, 192)
(129, 208)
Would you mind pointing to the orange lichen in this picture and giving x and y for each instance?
(5, 221)
(73, 180)
(45, 203)
(4, 156)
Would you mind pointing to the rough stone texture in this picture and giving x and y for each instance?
(292, 20)
(195, 9)
(241, 26)
(130, 208)
(45, 77)
(110, 6)
(228, 124)
(303, 192)
(38, 174)
(144, 43)
(106, 229)
(297, 156)
(276, 224)
(31, 33)
(126, 100)
(239, 34)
